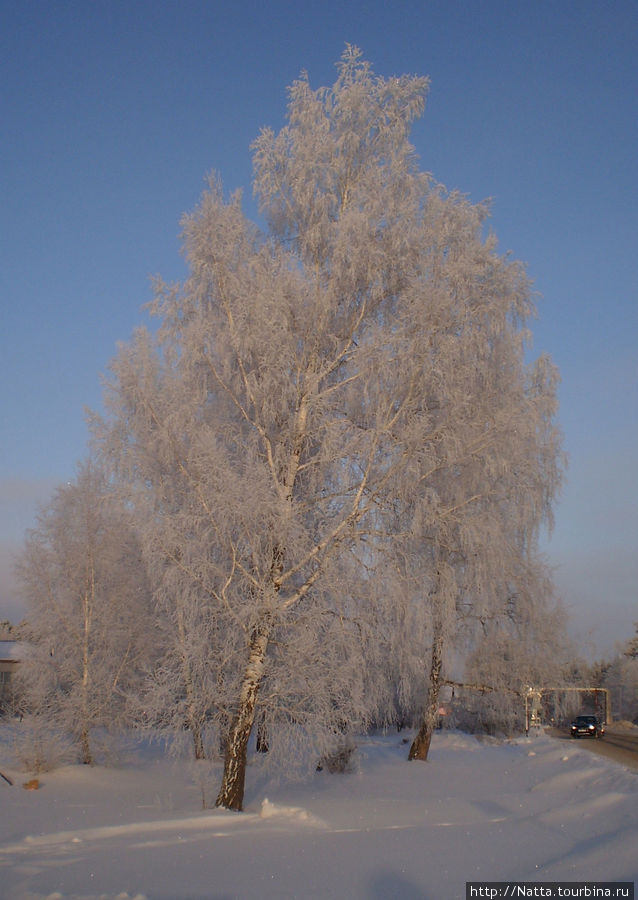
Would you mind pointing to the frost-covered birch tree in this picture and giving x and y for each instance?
(83, 578)
(305, 383)
(491, 479)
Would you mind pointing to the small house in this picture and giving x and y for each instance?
(10, 656)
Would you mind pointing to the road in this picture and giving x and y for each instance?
(619, 745)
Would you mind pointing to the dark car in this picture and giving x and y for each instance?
(587, 726)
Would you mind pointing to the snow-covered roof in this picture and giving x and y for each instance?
(11, 650)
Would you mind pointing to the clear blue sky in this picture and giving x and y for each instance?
(112, 113)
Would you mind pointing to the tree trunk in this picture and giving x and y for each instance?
(198, 743)
(88, 605)
(231, 794)
(421, 743)
(262, 745)
(192, 720)
(87, 755)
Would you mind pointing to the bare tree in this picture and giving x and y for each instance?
(84, 580)
(302, 386)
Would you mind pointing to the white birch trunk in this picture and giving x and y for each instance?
(231, 793)
(421, 744)
(88, 602)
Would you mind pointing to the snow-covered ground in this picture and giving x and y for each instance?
(536, 809)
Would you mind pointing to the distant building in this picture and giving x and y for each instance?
(10, 656)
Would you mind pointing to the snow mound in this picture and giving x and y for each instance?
(288, 813)
(586, 808)
(569, 781)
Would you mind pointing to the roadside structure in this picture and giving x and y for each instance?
(10, 657)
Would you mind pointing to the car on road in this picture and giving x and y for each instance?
(587, 726)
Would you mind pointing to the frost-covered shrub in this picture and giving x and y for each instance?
(341, 760)
(38, 746)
